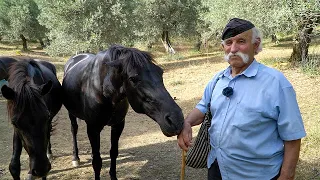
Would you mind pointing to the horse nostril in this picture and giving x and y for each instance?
(42, 171)
(168, 119)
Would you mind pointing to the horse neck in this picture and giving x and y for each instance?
(92, 77)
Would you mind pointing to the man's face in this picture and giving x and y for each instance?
(239, 50)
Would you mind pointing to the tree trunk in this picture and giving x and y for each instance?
(24, 42)
(308, 21)
(42, 43)
(48, 41)
(274, 38)
(300, 48)
(197, 46)
(166, 42)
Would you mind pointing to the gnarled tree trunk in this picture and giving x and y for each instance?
(24, 42)
(42, 43)
(48, 41)
(166, 42)
(301, 46)
(300, 49)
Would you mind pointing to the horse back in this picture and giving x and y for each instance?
(54, 96)
(5, 64)
(48, 65)
(79, 60)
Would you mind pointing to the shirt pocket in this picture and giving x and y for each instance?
(246, 118)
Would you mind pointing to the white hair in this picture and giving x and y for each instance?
(256, 37)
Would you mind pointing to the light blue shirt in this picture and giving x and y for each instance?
(3, 82)
(249, 128)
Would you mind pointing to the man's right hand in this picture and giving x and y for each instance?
(185, 137)
(195, 117)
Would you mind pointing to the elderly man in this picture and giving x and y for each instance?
(256, 125)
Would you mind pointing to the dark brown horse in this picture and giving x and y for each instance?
(99, 88)
(6, 62)
(34, 98)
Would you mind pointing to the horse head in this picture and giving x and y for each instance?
(133, 74)
(29, 114)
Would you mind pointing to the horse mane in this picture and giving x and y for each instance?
(130, 57)
(27, 94)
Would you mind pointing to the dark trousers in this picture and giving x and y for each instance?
(214, 172)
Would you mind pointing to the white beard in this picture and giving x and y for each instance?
(244, 57)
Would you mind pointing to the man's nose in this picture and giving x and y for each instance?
(234, 47)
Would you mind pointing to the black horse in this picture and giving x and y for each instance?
(99, 88)
(6, 62)
(34, 98)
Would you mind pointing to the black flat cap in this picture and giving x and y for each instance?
(236, 26)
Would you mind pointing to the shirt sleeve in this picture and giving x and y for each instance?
(290, 124)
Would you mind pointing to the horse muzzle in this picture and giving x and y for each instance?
(41, 168)
(172, 123)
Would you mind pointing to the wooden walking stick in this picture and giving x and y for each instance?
(183, 164)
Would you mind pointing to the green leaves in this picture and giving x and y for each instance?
(87, 25)
(93, 25)
(20, 17)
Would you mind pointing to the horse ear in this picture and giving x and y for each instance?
(46, 88)
(7, 92)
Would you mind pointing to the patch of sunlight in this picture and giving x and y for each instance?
(273, 53)
(143, 140)
(134, 167)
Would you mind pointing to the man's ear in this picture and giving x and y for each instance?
(257, 43)
(7, 92)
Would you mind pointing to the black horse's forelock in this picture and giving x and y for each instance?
(130, 57)
(27, 94)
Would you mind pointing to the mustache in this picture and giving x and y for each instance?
(244, 57)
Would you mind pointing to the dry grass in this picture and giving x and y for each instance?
(144, 152)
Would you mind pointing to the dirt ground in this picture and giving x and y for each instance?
(144, 152)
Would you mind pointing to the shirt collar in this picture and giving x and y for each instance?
(251, 71)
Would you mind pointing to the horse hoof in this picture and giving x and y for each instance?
(75, 163)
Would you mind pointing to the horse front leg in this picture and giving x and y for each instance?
(94, 137)
(49, 151)
(14, 166)
(116, 131)
(74, 131)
